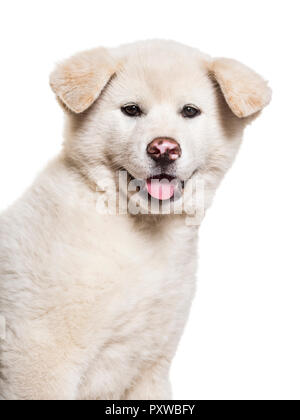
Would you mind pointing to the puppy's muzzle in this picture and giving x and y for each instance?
(164, 150)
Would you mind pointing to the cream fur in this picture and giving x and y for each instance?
(79, 81)
(245, 91)
(95, 304)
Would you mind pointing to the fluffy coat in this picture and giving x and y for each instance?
(95, 304)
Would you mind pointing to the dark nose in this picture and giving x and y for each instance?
(164, 150)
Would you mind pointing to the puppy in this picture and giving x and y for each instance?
(98, 258)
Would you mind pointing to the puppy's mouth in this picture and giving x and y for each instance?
(162, 187)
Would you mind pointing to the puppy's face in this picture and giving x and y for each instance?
(161, 118)
(163, 112)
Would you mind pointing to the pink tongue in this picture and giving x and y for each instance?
(160, 189)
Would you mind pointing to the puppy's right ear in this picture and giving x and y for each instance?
(245, 92)
(79, 81)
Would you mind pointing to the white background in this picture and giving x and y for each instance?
(242, 340)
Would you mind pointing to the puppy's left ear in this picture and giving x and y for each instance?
(245, 91)
(79, 81)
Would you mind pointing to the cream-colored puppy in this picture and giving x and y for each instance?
(95, 302)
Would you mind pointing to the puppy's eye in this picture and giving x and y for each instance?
(190, 111)
(132, 110)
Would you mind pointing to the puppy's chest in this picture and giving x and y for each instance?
(144, 310)
(124, 257)
(141, 276)
(152, 265)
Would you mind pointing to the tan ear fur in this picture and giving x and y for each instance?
(78, 81)
(245, 91)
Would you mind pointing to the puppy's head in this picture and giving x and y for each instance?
(163, 112)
